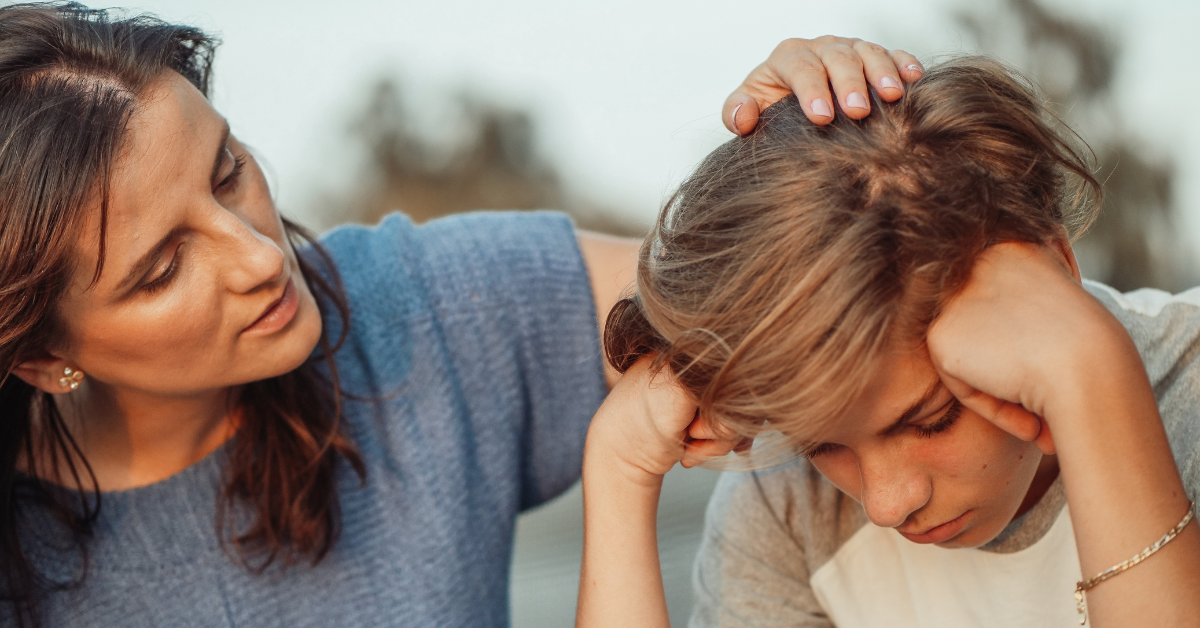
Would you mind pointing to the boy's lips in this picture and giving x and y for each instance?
(939, 533)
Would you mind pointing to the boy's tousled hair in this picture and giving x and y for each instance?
(793, 257)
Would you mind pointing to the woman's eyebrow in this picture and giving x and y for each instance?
(220, 152)
(914, 409)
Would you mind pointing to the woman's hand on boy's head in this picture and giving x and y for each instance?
(807, 67)
(648, 423)
(1022, 335)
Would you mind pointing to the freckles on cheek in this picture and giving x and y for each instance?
(975, 452)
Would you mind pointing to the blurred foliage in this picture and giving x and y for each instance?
(1133, 244)
(489, 161)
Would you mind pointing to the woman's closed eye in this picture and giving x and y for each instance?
(230, 182)
(945, 422)
(163, 278)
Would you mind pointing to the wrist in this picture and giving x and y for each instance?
(1103, 368)
(609, 459)
(1088, 352)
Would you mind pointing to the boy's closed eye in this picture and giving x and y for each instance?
(937, 423)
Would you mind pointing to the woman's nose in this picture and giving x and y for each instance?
(253, 258)
(891, 489)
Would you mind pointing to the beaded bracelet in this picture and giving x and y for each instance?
(1081, 587)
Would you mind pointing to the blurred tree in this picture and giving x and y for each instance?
(490, 162)
(1133, 244)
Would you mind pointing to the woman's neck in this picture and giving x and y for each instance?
(134, 438)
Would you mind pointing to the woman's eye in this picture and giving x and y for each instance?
(230, 182)
(941, 425)
(164, 278)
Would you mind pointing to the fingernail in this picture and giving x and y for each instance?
(916, 68)
(822, 108)
(856, 100)
(890, 83)
(733, 118)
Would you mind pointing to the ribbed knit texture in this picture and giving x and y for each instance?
(477, 337)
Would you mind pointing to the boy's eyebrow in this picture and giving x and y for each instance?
(914, 409)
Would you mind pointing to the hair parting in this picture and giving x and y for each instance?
(70, 79)
(795, 256)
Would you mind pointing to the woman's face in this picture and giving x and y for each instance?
(200, 289)
(921, 463)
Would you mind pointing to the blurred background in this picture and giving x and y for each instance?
(363, 107)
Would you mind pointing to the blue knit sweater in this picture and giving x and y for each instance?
(476, 335)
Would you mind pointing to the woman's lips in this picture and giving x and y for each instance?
(941, 533)
(278, 314)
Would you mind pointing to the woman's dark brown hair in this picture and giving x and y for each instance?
(782, 268)
(70, 78)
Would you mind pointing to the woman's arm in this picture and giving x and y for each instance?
(611, 264)
(1025, 346)
(646, 425)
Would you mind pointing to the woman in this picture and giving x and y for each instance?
(982, 436)
(209, 419)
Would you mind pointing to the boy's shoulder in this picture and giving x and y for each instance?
(791, 500)
(1166, 329)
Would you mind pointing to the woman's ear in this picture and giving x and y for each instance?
(1061, 245)
(50, 375)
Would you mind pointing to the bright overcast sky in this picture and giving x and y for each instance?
(626, 92)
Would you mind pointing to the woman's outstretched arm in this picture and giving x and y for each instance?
(1025, 346)
(646, 425)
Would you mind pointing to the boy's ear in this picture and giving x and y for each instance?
(1061, 244)
(47, 374)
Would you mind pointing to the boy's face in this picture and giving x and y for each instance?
(920, 462)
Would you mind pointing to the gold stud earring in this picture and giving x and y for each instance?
(70, 378)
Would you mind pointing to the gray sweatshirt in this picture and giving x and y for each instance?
(784, 547)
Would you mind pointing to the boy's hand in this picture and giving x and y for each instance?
(648, 423)
(1022, 336)
(807, 67)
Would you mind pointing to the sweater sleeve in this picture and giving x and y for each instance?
(480, 330)
(516, 282)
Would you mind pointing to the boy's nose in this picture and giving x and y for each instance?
(891, 492)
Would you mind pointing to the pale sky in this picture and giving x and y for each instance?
(626, 93)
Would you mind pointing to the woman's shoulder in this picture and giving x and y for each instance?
(460, 261)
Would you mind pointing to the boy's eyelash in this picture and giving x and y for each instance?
(942, 424)
(924, 431)
(231, 180)
(823, 448)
